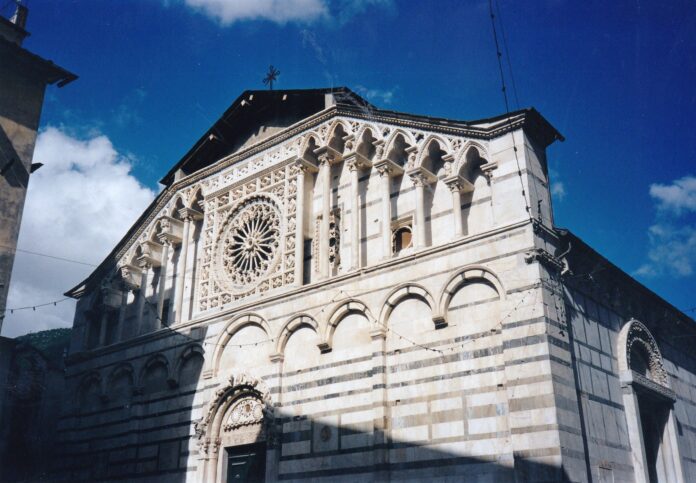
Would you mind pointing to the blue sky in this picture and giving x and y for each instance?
(616, 78)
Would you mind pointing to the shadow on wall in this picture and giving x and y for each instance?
(133, 420)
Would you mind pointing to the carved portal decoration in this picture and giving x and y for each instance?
(246, 401)
(641, 353)
(250, 241)
(246, 411)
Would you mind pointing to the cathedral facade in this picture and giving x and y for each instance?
(329, 291)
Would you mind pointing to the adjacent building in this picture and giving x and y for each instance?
(328, 291)
(23, 80)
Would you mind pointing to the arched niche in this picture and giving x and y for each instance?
(189, 366)
(481, 286)
(348, 330)
(245, 342)
(299, 342)
(154, 375)
(410, 320)
(474, 307)
(89, 392)
(639, 353)
(120, 384)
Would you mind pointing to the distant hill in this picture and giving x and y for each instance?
(51, 343)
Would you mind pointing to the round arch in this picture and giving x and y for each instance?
(232, 327)
(155, 359)
(211, 426)
(188, 352)
(297, 321)
(92, 377)
(400, 293)
(344, 308)
(635, 335)
(472, 273)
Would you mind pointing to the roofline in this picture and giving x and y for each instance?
(238, 102)
(575, 239)
(501, 124)
(53, 73)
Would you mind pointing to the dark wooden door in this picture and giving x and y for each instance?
(246, 463)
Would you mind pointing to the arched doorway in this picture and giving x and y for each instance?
(234, 432)
(648, 404)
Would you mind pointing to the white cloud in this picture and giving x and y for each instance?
(278, 11)
(79, 204)
(672, 251)
(558, 190)
(380, 96)
(672, 238)
(676, 197)
(281, 12)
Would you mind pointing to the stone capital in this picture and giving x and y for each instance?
(190, 214)
(387, 167)
(421, 176)
(459, 183)
(327, 155)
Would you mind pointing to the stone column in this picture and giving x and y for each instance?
(355, 213)
(181, 275)
(122, 313)
(102, 326)
(163, 277)
(325, 168)
(299, 226)
(419, 183)
(385, 176)
(455, 188)
(142, 296)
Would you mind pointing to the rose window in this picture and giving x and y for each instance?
(250, 242)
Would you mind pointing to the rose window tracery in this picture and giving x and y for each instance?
(250, 243)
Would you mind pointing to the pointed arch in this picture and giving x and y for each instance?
(123, 369)
(364, 140)
(232, 327)
(400, 293)
(461, 166)
(393, 144)
(334, 138)
(342, 309)
(470, 274)
(179, 202)
(196, 197)
(296, 322)
(423, 151)
(310, 142)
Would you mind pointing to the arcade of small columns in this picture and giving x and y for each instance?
(170, 231)
(409, 160)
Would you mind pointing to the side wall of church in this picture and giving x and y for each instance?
(597, 349)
